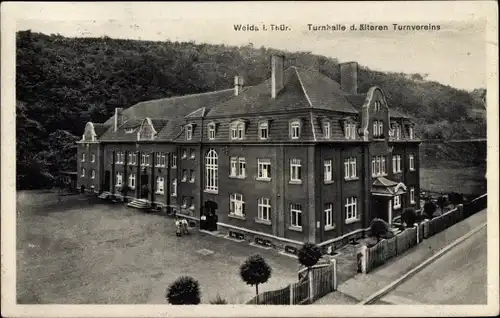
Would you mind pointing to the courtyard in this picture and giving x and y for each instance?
(81, 252)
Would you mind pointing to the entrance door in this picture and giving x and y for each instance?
(210, 213)
(380, 208)
(107, 181)
(144, 186)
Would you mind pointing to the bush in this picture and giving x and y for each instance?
(442, 201)
(309, 255)
(255, 271)
(429, 209)
(218, 300)
(409, 217)
(456, 198)
(379, 228)
(184, 291)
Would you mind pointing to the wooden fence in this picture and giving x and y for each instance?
(372, 257)
(321, 280)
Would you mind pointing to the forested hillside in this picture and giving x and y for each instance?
(61, 83)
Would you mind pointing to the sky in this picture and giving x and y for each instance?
(455, 55)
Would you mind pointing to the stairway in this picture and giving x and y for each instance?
(104, 195)
(140, 204)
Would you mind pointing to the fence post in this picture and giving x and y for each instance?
(460, 209)
(291, 294)
(363, 258)
(334, 274)
(418, 231)
(426, 228)
(311, 290)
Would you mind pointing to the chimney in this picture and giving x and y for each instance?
(349, 77)
(118, 117)
(238, 85)
(277, 62)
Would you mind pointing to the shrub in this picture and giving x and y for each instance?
(409, 217)
(184, 291)
(442, 201)
(218, 300)
(456, 198)
(429, 209)
(379, 228)
(255, 271)
(309, 255)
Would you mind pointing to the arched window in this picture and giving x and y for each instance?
(211, 171)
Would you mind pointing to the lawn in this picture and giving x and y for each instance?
(74, 252)
(466, 180)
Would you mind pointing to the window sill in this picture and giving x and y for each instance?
(173, 195)
(157, 192)
(174, 167)
(329, 228)
(295, 228)
(239, 217)
(261, 221)
(183, 180)
(329, 181)
(160, 166)
(351, 179)
(397, 208)
(263, 179)
(412, 202)
(191, 181)
(412, 169)
(295, 182)
(237, 177)
(211, 191)
(350, 221)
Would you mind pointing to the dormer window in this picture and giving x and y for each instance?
(211, 131)
(411, 133)
(238, 130)
(263, 130)
(378, 129)
(377, 105)
(350, 131)
(326, 130)
(295, 129)
(189, 132)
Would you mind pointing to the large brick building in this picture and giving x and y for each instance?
(298, 157)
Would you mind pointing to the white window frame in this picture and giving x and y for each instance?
(189, 132)
(174, 187)
(351, 209)
(411, 159)
(380, 128)
(241, 131)
(119, 179)
(295, 129)
(192, 175)
(161, 159)
(350, 131)
(242, 171)
(236, 205)
(184, 175)
(92, 157)
(396, 164)
(296, 215)
(174, 161)
(412, 195)
(396, 202)
(264, 169)
(329, 223)
(160, 185)
(377, 105)
(145, 159)
(411, 133)
(398, 132)
(184, 202)
(327, 130)
(83, 173)
(375, 128)
(263, 130)
(350, 169)
(192, 153)
(92, 174)
(264, 209)
(327, 170)
(237, 130)
(295, 170)
(132, 180)
(211, 131)
(184, 153)
(83, 157)
(233, 166)
(132, 158)
(211, 171)
(374, 166)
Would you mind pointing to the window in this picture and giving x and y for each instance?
(264, 169)
(375, 128)
(119, 179)
(396, 164)
(410, 132)
(238, 167)
(412, 162)
(241, 131)
(328, 215)
(192, 153)
(120, 157)
(264, 210)
(159, 185)
(296, 215)
(211, 131)
(191, 176)
(174, 187)
(350, 171)
(184, 175)
(295, 170)
(378, 166)
(83, 157)
(184, 154)
(145, 159)
(132, 158)
(211, 171)
(92, 174)
(328, 170)
(237, 130)
(295, 129)
(161, 159)
(236, 205)
(234, 167)
(398, 132)
(351, 209)
(377, 105)
(326, 130)
(131, 180)
(264, 130)
(381, 128)
(241, 167)
(174, 161)
(92, 157)
(189, 132)
(350, 131)
(412, 195)
(184, 202)
(191, 206)
(397, 202)
(83, 172)
(378, 128)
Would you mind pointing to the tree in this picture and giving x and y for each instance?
(255, 271)
(429, 209)
(184, 291)
(379, 228)
(456, 198)
(309, 255)
(409, 217)
(442, 201)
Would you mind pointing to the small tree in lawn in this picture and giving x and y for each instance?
(409, 217)
(184, 291)
(309, 255)
(255, 271)
(429, 209)
(379, 228)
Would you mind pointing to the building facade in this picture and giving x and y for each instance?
(296, 158)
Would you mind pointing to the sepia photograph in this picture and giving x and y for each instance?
(332, 158)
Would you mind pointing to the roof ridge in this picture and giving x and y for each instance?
(188, 95)
(302, 86)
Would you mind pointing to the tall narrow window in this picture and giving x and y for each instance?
(184, 153)
(241, 131)
(264, 209)
(264, 169)
(241, 167)
(236, 204)
(83, 172)
(374, 166)
(211, 131)
(191, 176)
(131, 180)
(328, 176)
(132, 158)
(375, 128)
(397, 202)
(410, 132)
(184, 175)
(174, 187)
(326, 130)
(296, 215)
(192, 153)
(189, 132)
(83, 157)
(412, 162)
(398, 132)
(263, 130)
(119, 179)
(92, 174)
(351, 209)
(160, 159)
(295, 170)
(295, 129)
(234, 166)
(92, 157)
(211, 171)
(174, 161)
(160, 185)
(412, 195)
(328, 215)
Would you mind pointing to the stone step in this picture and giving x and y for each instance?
(139, 204)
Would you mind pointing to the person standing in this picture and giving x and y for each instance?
(178, 225)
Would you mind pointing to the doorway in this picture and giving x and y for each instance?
(144, 186)
(107, 181)
(210, 216)
(380, 208)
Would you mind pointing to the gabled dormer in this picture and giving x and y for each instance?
(349, 127)
(326, 127)
(212, 129)
(237, 129)
(409, 130)
(295, 128)
(147, 130)
(189, 131)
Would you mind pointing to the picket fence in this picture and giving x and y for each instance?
(321, 280)
(372, 257)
